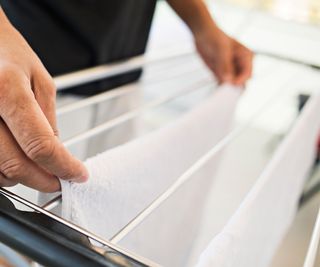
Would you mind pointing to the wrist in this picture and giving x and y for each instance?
(206, 29)
(202, 25)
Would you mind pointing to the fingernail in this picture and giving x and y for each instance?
(83, 178)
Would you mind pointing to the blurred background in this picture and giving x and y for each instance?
(307, 11)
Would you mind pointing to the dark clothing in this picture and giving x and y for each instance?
(70, 35)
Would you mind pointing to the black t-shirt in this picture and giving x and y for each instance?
(69, 35)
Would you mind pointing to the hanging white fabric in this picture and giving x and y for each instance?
(124, 180)
(252, 235)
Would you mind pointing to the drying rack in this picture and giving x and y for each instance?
(52, 241)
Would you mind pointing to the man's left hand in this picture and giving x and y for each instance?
(229, 60)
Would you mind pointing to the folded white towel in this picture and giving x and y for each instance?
(252, 236)
(124, 180)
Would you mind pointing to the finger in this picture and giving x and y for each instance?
(243, 75)
(45, 94)
(211, 64)
(225, 68)
(38, 178)
(16, 168)
(4, 182)
(218, 63)
(221, 72)
(25, 120)
(243, 65)
(244, 70)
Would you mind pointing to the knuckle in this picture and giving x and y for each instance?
(41, 149)
(6, 74)
(11, 77)
(43, 82)
(56, 132)
(9, 72)
(12, 168)
(50, 89)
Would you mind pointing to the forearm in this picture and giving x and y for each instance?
(194, 13)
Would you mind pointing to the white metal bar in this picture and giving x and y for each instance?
(170, 74)
(311, 256)
(173, 188)
(117, 248)
(108, 70)
(126, 229)
(53, 203)
(262, 108)
(192, 170)
(111, 123)
(135, 112)
(116, 92)
(95, 99)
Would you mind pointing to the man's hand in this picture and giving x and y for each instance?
(30, 152)
(228, 59)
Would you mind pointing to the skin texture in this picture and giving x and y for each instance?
(31, 153)
(229, 60)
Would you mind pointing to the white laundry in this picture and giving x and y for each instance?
(93, 116)
(126, 179)
(252, 235)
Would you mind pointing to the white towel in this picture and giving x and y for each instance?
(252, 236)
(124, 180)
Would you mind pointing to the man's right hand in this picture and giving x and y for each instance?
(30, 151)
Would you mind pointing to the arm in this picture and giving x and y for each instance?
(30, 151)
(229, 60)
(194, 13)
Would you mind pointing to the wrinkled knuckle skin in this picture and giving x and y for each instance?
(12, 169)
(10, 76)
(41, 149)
(6, 75)
(56, 132)
(51, 89)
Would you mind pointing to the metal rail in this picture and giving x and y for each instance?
(58, 199)
(109, 70)
(135, 112)
(114, 93)
(187, 175)
(77, 228)
(97, 73)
